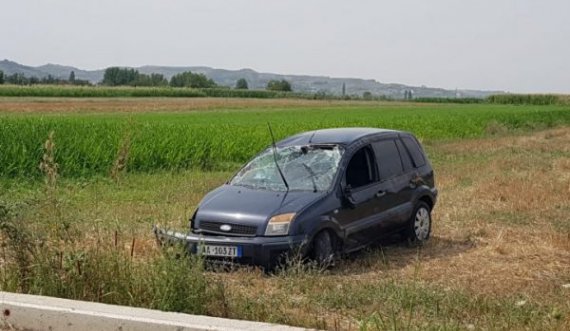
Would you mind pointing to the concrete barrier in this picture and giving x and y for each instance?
(32, 312)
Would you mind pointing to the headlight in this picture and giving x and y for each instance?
(279, 224)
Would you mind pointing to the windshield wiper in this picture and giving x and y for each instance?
(275, 158)
(312, 173)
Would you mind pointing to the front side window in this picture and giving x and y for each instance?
(305, 168)
(360, 170)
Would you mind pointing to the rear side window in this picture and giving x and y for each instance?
(388, 158)
(415, 151)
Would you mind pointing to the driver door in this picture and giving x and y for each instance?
(361, 208)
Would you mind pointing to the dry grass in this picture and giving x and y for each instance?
(512, 203)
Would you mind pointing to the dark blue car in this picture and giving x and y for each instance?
(319, 194)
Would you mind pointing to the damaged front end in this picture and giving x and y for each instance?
(168, 237)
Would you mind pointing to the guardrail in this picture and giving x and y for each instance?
(32, 312)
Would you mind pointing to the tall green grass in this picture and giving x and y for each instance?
(45, 256)
(88, 144)
(449, 100)
(526, 99)
(129, 91)
(65, 91)
(96, 91)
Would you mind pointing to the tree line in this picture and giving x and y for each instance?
(21, 79)
(116, 76)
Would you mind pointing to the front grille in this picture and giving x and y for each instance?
(237, 229)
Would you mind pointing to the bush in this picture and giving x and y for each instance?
(241, 84)
(279, 85)
(189, 79)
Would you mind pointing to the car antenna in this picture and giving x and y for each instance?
(275, 157)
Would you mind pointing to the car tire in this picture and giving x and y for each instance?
(324, 249)
(419, 226)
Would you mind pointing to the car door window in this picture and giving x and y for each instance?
(388, 159)
(415, 151)
(361, 170)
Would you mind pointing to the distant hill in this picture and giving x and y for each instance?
(256, 80)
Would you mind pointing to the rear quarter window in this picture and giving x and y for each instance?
(405, 156)
(415, 151)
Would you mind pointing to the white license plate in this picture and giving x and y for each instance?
(225, 251)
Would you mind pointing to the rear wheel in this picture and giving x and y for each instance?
(419, 226)
(324, 249)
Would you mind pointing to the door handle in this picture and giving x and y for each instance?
(380, 194)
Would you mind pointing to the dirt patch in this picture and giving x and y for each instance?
(113, 105)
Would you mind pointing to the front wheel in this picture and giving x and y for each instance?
(324, 249)
(419, 226)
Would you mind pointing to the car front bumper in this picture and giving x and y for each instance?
(262, 251)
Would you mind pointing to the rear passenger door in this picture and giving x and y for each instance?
(422, 170)
(395, 174)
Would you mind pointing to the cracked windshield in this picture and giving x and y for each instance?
(305, 168)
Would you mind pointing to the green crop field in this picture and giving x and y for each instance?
(70, 91)
(79, 226)
(87, 144)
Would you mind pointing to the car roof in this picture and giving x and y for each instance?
(342, 136)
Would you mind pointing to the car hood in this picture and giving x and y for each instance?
(241, 205)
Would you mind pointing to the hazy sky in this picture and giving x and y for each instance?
(513, 45)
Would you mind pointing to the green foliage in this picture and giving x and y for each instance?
(408, 95)
(449, 100)
(87, 145)
(524, 99)
(189, 79)
(21, 79)
(96, 91)
(279, 85)
(1, 77)
(35, 262)
(115, 76)
(367, 95)
(233, 93)
(17, 79)
(150, 80)
(71, 78)
(241, 84)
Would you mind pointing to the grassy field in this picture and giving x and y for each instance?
(89, 134)
(499, 257)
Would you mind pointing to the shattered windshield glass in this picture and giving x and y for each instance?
(305, 168)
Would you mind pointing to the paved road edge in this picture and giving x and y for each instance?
(33, 312)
